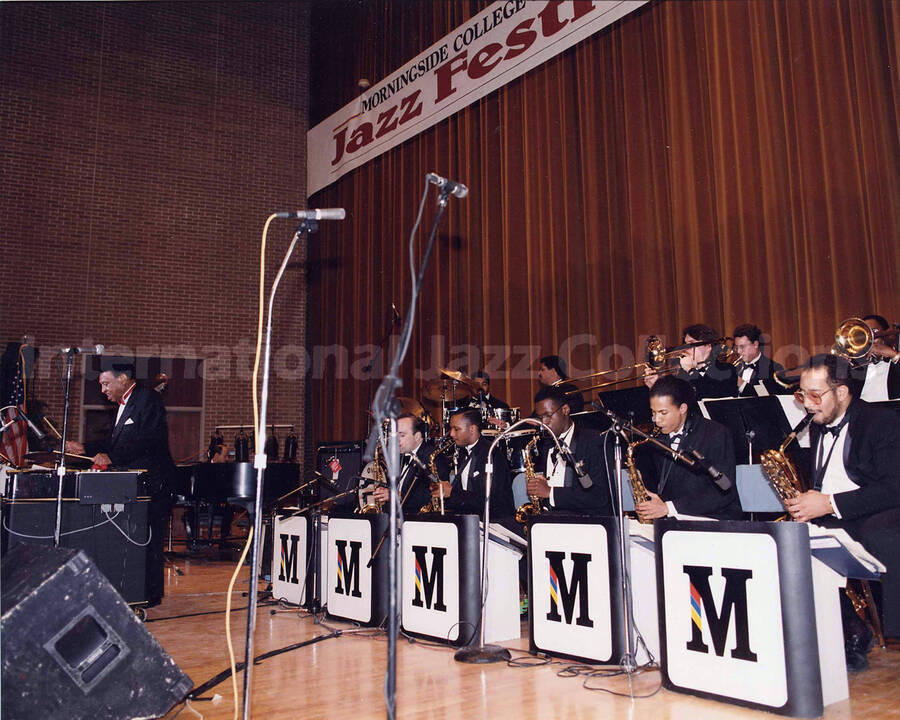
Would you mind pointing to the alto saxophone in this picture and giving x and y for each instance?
(443, 446)
(528, 510)
(638, 489)
(780, 471)
(368, 505)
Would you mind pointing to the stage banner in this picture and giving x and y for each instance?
(501, 43)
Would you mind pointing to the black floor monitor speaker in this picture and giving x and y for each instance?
(72, 648)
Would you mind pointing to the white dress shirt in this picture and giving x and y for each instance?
(556, 471)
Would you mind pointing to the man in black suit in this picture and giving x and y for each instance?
(856, 480)
(139, 439)
(140, 436)
(701, 367)
(414, 480)
(552, 370)
(755, 367)
(466, 492)
(556, 481)
(678, 488)
(881, 375)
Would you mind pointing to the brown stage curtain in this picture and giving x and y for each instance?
(717, 162)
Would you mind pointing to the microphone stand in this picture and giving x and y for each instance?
(384, 406)
(309, 226)
(61, 468)
(484, 653)
(627, 662)
(368, 369)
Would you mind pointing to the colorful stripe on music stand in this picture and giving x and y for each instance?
(418, 577)
(696, 608)
(554, 587)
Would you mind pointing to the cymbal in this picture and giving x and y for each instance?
(457, 375)
(432, 389)
(411, 406)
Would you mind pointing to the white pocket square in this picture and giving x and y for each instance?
(129, 421)
(476, 473)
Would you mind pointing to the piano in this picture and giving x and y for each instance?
(233, 482)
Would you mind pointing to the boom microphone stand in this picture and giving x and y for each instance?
(384, 406)
(484, 653)
(308, 225)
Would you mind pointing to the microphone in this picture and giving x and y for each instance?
(578, 465)
(448, 186)
(319, 214)
(720, 478)
(95, 349)
(39, 434)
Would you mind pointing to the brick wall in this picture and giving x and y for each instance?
(143, 146)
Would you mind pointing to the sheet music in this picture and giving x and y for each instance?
(820, 537)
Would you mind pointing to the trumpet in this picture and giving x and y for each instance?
(853, 341)
(656, 357)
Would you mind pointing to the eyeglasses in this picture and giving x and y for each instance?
(814, 397)
(545, 418)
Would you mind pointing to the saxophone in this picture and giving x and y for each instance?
(443, 446)
(780, 471)
(533, 507)
(638, 489)
(374, 472)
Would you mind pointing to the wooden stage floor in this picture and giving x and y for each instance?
(342, 678)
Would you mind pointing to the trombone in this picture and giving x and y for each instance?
(657, 355)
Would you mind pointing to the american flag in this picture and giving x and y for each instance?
(15, 437)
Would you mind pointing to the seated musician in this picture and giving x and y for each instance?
(466, 492)
(413, 483)
(881, 378)
(551, 370)
(139, 439)
(556, 482)
(856, 481)
(755, 367)
(483, 397)
(677, 488)
(701, 367)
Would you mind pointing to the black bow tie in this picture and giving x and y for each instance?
(677, 436)
(835, 429)
(462, 457)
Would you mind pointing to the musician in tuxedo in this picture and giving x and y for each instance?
(556, 482)
(552, 369)
(755, 367)
(139, 439)
(466, 492)
(881, 376)
(483, 396)
(413, 482)
(701, 367)
(856, 481)
(676, 487)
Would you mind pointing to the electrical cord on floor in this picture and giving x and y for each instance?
(234, 575)
(198, 691)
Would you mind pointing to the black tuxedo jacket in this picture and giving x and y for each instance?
(586, 446)
(719, 380)
(871, 457)
(763, 372)
(140, 439)
(418, 482)
(471, 500)
(692, 490)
